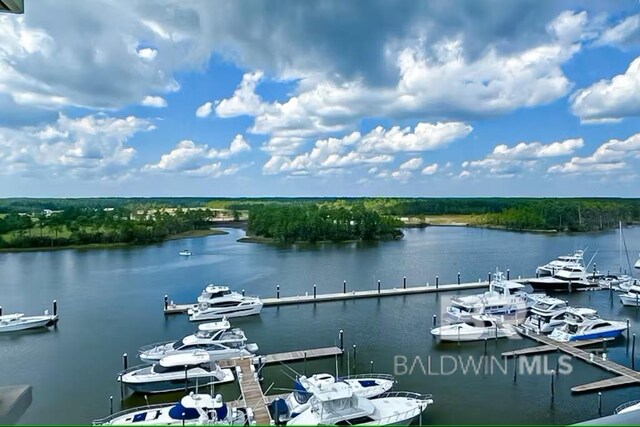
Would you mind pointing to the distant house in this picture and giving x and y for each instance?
(47, 212)
(108, 209)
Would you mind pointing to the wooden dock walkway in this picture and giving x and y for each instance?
(314, 297)
(624, 375)
(288, 356)
(252, 391)
(548, 348)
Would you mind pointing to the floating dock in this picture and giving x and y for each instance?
(314, 297)
(624, 375)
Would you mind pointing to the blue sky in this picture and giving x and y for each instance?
(238, 98)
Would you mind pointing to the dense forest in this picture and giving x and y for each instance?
(83, 226)
(337, 221)
(26, 222)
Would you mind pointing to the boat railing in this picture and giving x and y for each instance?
(134, 368)
(113, 416)
(148, 347)
(403, 416)
(388, 377)
(626, 405)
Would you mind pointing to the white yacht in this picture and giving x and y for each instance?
(216, 302)
(584, 324)
(632, 406)
(337, 404)
(546, 314)
(562, 261)
(503, 297)
(632, 296)
(366, 385)
(19, 322)
(175, 373)
(194, 409)
(637, 264)
(477, 328)
(575, 276)
(220, 344)
(185, 252)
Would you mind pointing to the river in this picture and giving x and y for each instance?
(110, 302)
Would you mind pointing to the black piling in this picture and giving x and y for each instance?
(278, 291)
(378, 286)
(276, 411)
(186, 379)
(344, 286)
(125, 361)
(508, 274)
(515, 367)
(0, 310)
(166, 301)
(404, 282)
(55, 307)
(355, 368)
(557, 359)
(437, 280)
(594, 271)
(243, 292)
(110, 405)
(371, 367)
(485, 346)
(341, 335)
(458, 278)
(489, 277)
(553, 388)
(305, 363)
(600, 403)
(435, 320)
(315, 291)
(633, 352)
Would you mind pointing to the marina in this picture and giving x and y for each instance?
(380, 327)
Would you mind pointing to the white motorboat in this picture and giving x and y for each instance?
(216, 302)
(220, 344)
(632, 296)
(632, 406)
(194, 409)
(505, 297)
(366, 385)
(337, 404)
(477, 328)
(570, 277)
(175, 373)
(546, 314)
(584, 324)
(557, 264)
(19, 322)
(185, 252)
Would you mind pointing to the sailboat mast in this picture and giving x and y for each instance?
(620, 247)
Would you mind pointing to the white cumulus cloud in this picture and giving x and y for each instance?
(204, 110)
(154, 101)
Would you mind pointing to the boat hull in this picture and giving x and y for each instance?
(40, 322)
(228, 312)
(553, 284)
(629, 301)
(165, 386)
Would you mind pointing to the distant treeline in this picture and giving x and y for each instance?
(82, 226)
(339, 221)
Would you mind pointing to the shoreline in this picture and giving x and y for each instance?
(91, 246)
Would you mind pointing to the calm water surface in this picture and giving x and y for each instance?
(111, 302)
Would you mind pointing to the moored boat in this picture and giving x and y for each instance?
(478, 327)
(557, 264)
(546, 314)
(584, 324)
(185, 252)
(18, 321)
(194, 409)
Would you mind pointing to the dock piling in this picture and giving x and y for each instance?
(277, 291)
(315, 291)
(552, 383)
(0, 310)
(515, 367)
(125, 361)
(305, 363)
(458, 277)
(344, 286)
(557, 359)
(435, 320)
(186, 379)
(599, 403)
(378, 286)
(166, 301)
(371, 367)
(110, 405)
(489, 277)
(508, 275)
(404, 282)
(633, 353)
(55, 307)
(243, 292)
(437, 281)
(355, 368)
(341, 335)
(485, 345)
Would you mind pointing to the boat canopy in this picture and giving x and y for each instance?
(215, 289)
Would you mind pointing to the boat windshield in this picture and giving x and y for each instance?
(572, 329)
(300, 394)
(219, 294)
(178, 344)
(159, 369)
